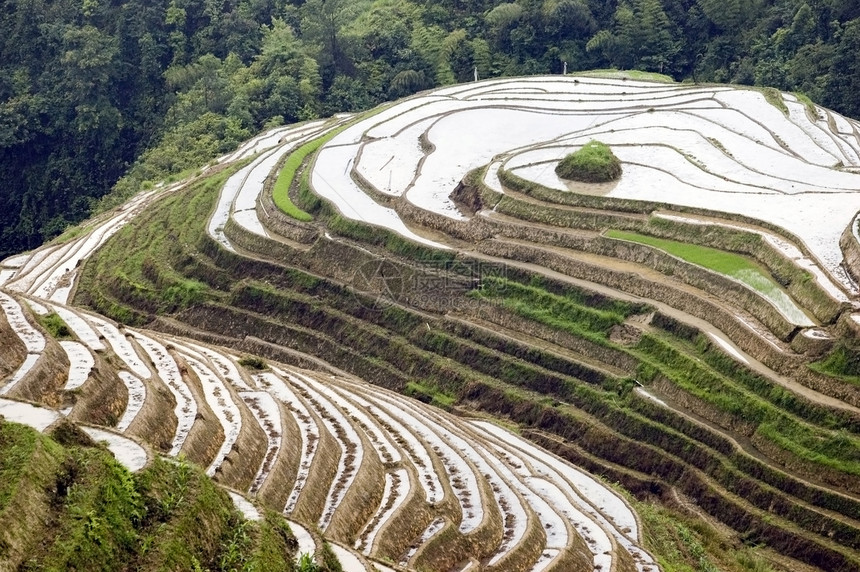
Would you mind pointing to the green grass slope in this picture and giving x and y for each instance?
(66, 504)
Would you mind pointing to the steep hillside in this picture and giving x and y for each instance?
(405, 332)
(67, 504)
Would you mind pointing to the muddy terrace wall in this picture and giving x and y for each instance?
(375, 276)
(627, 282)
(851, 251)
(797, 281)
(613, 358)
(280, 223)
(103, 398)
(151, 425)
(44, 382)
(12, 350)
(834, 387)
(206, 434)
(785, 364)
(421, 354)
(238, 324)
(813, 343)
(635, 449)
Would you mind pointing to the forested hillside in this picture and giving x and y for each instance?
(90, 89)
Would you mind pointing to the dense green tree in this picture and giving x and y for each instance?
(641, 37)
(92, 88)
(844, 78)
(322, 23)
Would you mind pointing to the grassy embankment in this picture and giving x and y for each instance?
(55, 326)
(684, 544)
(812, 433)
(433, 358)
(281, 190)
(774, 97)
(627, 74)
(144, 272)
(284, 182)
(66, 504)
(726, 263)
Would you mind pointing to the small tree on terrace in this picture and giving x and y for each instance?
(593, 163)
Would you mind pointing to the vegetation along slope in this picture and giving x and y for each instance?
(404, 333)
(90, 90)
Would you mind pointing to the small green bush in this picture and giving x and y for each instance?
(55, 326)
(774, 97)
(843, 360)
(594, 163)
(185, 293)
(253, 362)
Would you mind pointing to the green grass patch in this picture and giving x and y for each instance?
(253, 362)
(733, 265)
(843, 362)
(593, 163)
(77, 508)
(810, 105)
(55, 326)
(832, 448)
(711, 258)
(427, 394)
(184, 293)
(638, 75)
(682, 544)
(281, 190)
(774, 97)
(24, 454)
(565, 312)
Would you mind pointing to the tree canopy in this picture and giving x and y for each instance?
(100, 96)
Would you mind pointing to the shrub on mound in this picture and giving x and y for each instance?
(594, 163)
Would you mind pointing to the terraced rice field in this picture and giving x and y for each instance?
(369, 451)
(443, 368)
